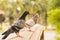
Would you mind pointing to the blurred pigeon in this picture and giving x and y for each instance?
(16, 26)
(32, 22)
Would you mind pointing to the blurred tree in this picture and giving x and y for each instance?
(52, 4)
(2, 19)
(54, 18)
(53, 14)
(11, 17)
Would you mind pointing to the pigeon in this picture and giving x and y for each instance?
(31, 22)
(19, 24)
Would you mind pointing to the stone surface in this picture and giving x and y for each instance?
(27, 35)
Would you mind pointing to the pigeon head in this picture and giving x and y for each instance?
(35, 17)
(24, 15)
(26, 12)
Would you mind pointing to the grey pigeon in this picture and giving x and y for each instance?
(16, 26)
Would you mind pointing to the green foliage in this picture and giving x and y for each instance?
(2, 18)
(52, 4)
(54, 15)
(33, 6)
(57, 38)
(54, 18)
(0, 28)
(11, 17)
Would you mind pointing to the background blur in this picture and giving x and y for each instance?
(48, 10)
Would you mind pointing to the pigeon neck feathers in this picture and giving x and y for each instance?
(24, 15)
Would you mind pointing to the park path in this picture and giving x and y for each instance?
(49, 35)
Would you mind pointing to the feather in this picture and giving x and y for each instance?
(31, 22)
(16, 26)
